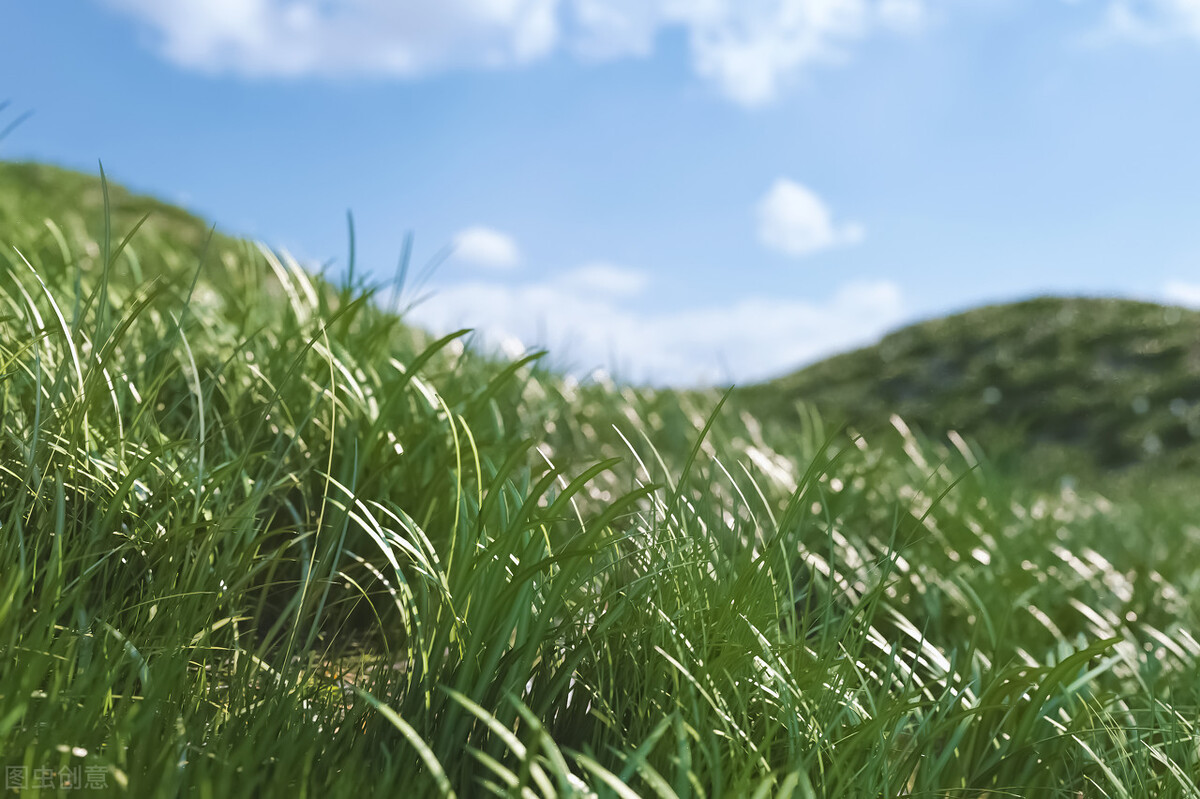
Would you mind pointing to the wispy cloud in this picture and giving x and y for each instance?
(1182, 293)
(310, 37)
(748, 48)
(752, 338)
(793, 220)
(903, 14)
(1150, 22)
(752, 49)
(606, 279)
(485, 247)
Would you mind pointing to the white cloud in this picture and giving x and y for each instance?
(303, 37)
(606, 279)
(753, 338)
(483, 246)
(1180, 293)
(795, 221)
(748, 48)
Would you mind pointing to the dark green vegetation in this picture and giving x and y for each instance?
(1091, 385)
(262, 539)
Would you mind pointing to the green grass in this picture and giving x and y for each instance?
(263, 539)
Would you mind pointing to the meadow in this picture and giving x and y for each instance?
(262, 538)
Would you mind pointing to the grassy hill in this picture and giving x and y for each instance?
(1056, 383)
(32, 192)
(262, 539)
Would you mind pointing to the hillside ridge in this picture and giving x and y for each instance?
(1115, 380)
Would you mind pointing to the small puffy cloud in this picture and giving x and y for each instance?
(748, 48)
(606, 279)
(795, 221)
(1180, 293)
(752, 338)
(483, 246)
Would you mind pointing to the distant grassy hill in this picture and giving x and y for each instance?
(1104, 383)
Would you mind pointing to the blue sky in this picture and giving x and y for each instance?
(678, 191)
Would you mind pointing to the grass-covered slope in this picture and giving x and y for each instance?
(261, 539)
(75, 202)
(1113, 382)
